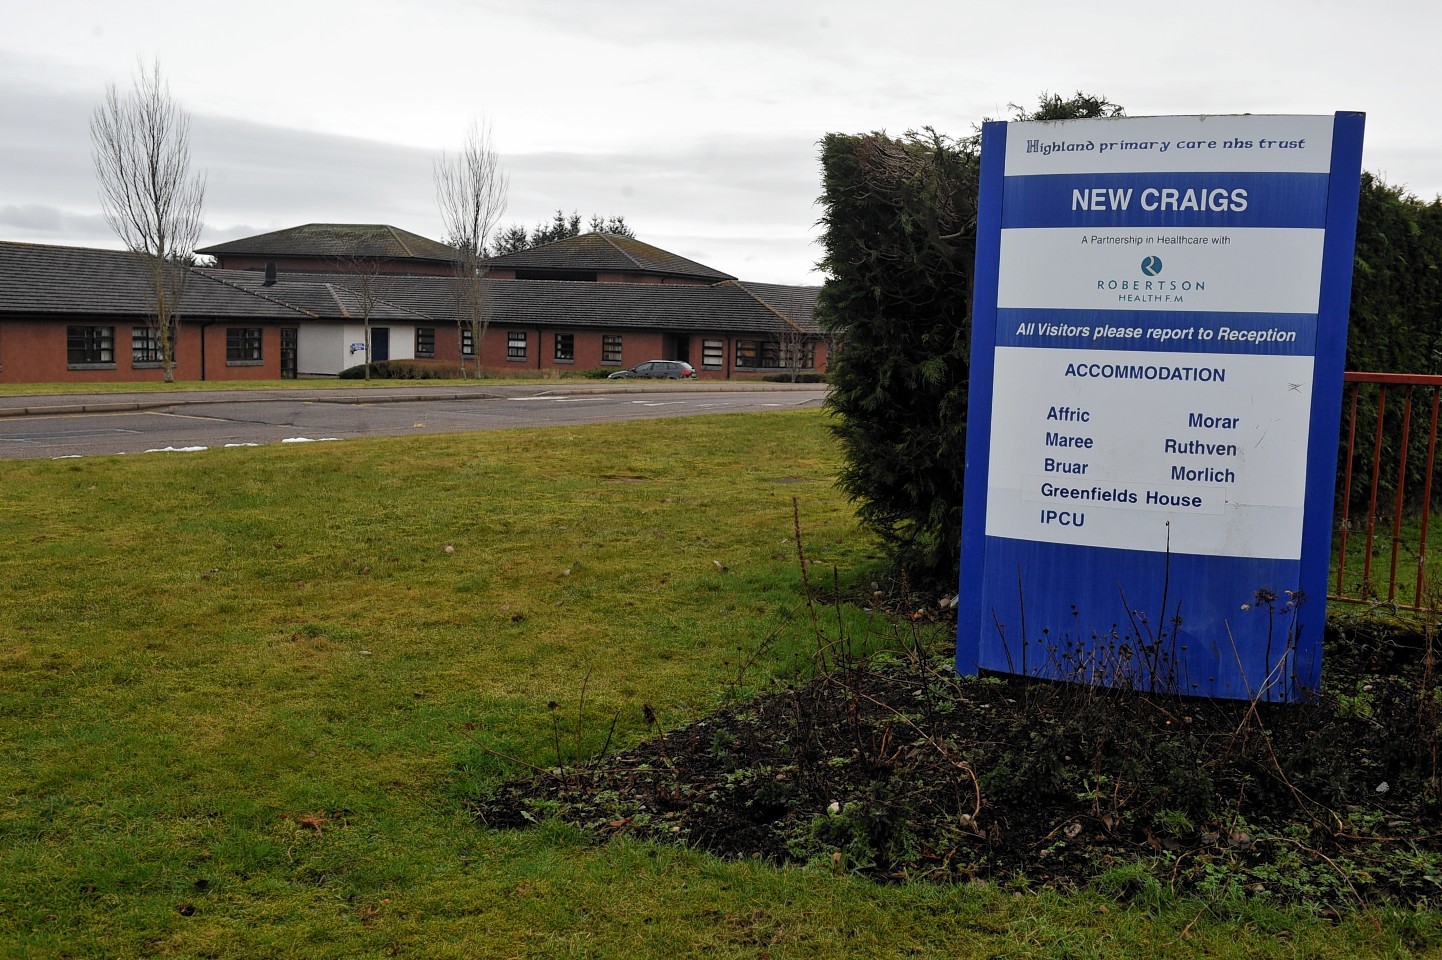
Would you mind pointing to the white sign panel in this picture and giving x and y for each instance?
(1082, 442)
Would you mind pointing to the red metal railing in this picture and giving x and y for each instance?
(1400, 460)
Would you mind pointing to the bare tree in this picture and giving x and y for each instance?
(363, 275)
(140, 144)
(796, 349)
(471, 194)
(833, 337)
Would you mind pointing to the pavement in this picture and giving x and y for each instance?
(66, 403)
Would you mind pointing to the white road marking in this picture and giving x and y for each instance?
(558, 399)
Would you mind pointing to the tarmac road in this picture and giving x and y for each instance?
(99, 424)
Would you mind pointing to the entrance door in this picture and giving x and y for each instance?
(380, 344)
(289, 347)
(676, 347)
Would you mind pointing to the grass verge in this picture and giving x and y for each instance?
(235, 689)
(308, 383)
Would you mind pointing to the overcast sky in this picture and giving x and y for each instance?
(697, 121)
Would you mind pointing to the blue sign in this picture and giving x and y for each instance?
(1158, 336)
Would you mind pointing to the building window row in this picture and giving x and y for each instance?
(754, 354)
(516, 344)
(611, 348)
(145, 345)
(242, 345)
(87, 346)
(801, 356)
(758, 353)
(91, 346)
(765, 354)
(565, 347)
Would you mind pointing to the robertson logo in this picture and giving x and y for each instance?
(1152, 291)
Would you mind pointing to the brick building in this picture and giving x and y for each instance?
(294, 303)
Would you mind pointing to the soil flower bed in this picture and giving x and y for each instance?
(892, 767)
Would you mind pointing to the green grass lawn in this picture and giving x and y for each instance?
(1375, 582)
(242, 691)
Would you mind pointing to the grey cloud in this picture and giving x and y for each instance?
(45, 153)
(714, 181)
(264, 178)
(742, 204)
(754, 199)
(751, 23)
(42, 223)
(1424, 167)
(31, 216)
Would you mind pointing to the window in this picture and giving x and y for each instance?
(610, 348)
(242, 345)
(468, 342)
(758, 353)
(89, 345)
(145, 345)
(713, 353)
(748, 353)
(425, 341)
(289, 352)
(565, 347)
(799, 356)
(516, 342)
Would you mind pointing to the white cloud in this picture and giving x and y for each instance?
(698, 122)
(31, 216)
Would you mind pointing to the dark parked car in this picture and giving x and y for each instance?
(657, 370)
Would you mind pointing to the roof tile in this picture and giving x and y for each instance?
(606, 253)
(335, 241)
(39, 279)
(43, 279)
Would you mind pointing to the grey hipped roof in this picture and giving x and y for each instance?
(722, 308)
(605, 253)
(38, 280)
(42, 279)
(559, 303)
(337, 241)
(326, 296)
(797, 304)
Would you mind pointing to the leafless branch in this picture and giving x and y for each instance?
(471, 195)
(363, 274)
(140, 145)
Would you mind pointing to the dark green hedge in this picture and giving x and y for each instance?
(1396, 322)
(404, 370)
(900, 233)
(900, 230)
